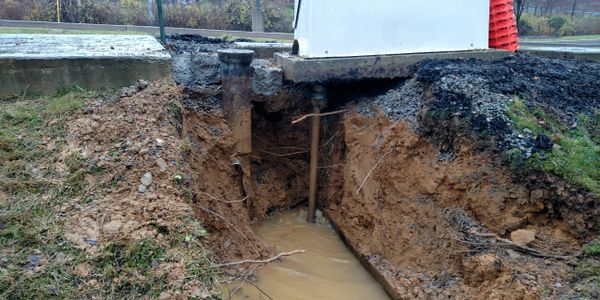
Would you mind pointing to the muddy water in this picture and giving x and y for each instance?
(328, 270)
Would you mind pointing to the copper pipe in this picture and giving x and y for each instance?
(314, 164)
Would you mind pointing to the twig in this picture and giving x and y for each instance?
(283, 155)
(319, 115)
(259, 289)
(224, 201)
(266, 261)
(330, 139)
(525, 249)
(371, 171)
(230, 224)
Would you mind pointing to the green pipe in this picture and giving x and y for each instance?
(161, 20)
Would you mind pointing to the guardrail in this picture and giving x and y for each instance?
(146, 29)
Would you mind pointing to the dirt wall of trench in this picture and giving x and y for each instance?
(416, 216)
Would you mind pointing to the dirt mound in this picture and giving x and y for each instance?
(562, 87)
(417, 218)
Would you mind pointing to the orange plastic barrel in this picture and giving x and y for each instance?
(503, 26)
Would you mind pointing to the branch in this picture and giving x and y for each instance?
(371, 171)
(319, 115)
(525, 249)
(266, 261)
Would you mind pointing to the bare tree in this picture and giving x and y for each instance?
(519, 8)
(573, 9)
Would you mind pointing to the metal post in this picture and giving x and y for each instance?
(236, 82)
(258, 20)
(58, 11)
(161, 20)
(319, 101)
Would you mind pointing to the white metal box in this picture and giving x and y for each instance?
(339, 28)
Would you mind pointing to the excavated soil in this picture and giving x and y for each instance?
(413, 177)
(419, 219)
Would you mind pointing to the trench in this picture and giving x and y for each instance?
(411, 196)
(327, 270)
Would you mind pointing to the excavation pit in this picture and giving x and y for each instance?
(412, 174)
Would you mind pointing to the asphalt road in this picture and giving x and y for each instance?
(591, 43)
(146, 29)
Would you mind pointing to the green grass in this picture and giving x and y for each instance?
(21, 30)
(592, 249)
(563, 39)
(36, 179)
(577, 156)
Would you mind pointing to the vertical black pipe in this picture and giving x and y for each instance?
(236, 84)
(161, 19)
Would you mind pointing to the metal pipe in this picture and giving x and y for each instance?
(236, 84)
(57, 11)
(314, 164)
(161, 19)
(318, 102)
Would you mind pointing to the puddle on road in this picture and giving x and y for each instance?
(328, 270)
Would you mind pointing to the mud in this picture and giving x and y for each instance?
(326, 270)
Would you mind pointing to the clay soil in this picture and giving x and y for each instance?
(428, 219)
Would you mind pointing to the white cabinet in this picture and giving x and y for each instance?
(339, 28)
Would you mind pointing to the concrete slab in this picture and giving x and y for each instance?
(42, 63)
(264, 50)
(299, 69)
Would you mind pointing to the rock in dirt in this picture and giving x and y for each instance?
(483, 267)
(142, 188)
(160, 142)
(162, 165)
(522, 237)
(146, 179)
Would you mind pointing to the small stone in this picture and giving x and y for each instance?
(162, 165)
(160, 142)
(91, 242)
(112, 227)
(558, 285)
(146, 179)
(34, 261)
(142, 188)
(142, 84)
(522, 237)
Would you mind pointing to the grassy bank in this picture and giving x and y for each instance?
(40, 183)
(575, 154)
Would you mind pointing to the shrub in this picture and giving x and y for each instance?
(556, 23)
(525, 28)
(567, 29)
